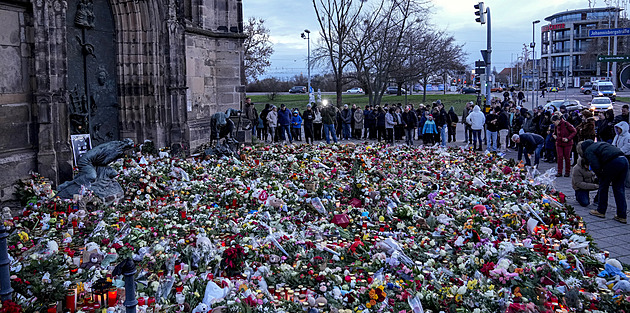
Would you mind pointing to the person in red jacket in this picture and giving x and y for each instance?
(564, 133)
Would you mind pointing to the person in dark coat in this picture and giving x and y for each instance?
(410, 121)
(467, 129)
(370, 122)
(605, 127)
(441, 121)
(504, 126)
(611, 167)
(586, 129)
(346, 122)
(550, 145)
(624, 116)
(452, 126)
(284, 123)
(380, 124)
(529, 143)
(308, 116)
(263, 116)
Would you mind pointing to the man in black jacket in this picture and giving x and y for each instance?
(611, 167)
(504, 126)
(308, 116)
(410, 120)
(441, 121)
(529, 143)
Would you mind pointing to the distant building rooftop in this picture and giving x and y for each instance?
(579, 12)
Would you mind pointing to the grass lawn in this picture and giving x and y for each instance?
(623, 99)
(458, 101)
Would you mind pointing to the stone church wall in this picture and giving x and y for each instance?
(176, 62)
(18, 137)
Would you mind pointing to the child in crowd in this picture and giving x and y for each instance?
(296, 126)
(583, 180)
(429, 131)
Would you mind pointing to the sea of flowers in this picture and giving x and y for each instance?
(320, 228)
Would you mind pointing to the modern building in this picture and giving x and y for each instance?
(567, 49)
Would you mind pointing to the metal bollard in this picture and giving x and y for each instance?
(128, 270)
(5, 271)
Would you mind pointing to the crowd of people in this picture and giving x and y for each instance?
(594, 150)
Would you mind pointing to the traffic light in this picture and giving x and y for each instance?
(481, 13)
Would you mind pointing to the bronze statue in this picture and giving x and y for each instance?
(85, 14)
(95, 174)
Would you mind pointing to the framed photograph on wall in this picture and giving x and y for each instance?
(80, 145)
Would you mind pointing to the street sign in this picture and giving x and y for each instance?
(484, 55)
(480, 64)
(527, 77)
(613, 58)
(609, 32)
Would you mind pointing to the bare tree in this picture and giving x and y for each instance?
(376, 44)
(432, 54)
(336, 20)
(258, 48)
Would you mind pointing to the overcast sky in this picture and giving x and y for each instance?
(511, 27)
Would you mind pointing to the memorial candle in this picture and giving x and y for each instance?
(112, 297)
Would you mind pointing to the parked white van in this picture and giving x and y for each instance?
(604, 89)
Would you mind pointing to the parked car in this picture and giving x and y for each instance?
(297, 89)
(355, 90)
(599, 104)
(496, 89)
(469, 89)
(587, 88)
(570, 104)
(393, 90)
(604, 89)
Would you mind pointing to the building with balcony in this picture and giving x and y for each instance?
(567, 49)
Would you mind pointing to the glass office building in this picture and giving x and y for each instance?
(567, 48)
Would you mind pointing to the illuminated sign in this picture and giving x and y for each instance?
(553, 27)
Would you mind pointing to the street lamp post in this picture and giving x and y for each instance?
(308, 39)
(533, 46)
